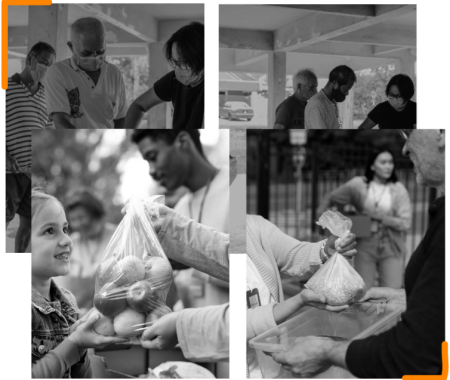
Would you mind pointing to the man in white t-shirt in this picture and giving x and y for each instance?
(84, 91)
(176, 159)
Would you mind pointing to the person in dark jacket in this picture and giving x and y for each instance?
(413, 345)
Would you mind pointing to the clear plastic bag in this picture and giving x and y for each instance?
(134, 276)
(337, 280)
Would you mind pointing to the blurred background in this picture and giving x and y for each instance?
(304, 166)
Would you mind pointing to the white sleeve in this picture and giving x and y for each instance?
(122, 98)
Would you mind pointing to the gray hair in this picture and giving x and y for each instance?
(303, 76)
(86, 25)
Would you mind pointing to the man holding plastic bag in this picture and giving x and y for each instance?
(413, 346)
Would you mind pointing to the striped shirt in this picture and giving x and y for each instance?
(24, 113)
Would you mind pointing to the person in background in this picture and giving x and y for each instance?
(59, 341)
(176, 159)
(321, 112)
(184, 86)
(381, 196)
(25, 111)
(290, 114)
(414, 345)
(399, 111)
(85, 91)
(90, 237)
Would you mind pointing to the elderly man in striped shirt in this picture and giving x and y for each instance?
(25, 111)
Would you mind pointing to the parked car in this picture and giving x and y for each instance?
(236, 110)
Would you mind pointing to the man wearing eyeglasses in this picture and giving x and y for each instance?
(321, 112)
(184, 86)
(25, 111)
(413, 345)
(290, 114)
(85, 91)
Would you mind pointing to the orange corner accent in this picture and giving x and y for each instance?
(5, 4)
(444, 374)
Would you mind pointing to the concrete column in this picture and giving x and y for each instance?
(346, 110)
(158, 67)
(49, 24)
(406, 64)
(276, 83)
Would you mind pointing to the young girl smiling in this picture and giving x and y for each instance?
(59, 342)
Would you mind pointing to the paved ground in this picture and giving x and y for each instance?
(255, 123)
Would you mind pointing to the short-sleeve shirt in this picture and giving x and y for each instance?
(388, 118)
(291, 113)
(71, 91)
(321, 113)
(24, 113)
(188, 102)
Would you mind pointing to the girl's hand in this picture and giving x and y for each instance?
(85, 337)
(308, 297)
(346, 246)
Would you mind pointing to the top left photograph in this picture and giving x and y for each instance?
(104, 66)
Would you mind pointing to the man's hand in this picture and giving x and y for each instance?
(156, 212)
(308, 297)
(162, 334)
(306, 358)
(12, 164)
(391, 296)
(346, 246)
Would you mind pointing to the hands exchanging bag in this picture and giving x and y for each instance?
(134, 276)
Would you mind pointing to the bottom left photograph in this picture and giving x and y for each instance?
(129, 248)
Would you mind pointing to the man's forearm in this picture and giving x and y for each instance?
(335, 353)
(119, 123)
(63, 124)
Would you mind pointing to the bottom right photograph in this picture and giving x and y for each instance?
(345, 253)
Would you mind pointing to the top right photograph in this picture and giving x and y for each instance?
(318, 66)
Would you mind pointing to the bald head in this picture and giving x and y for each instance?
(87, 36)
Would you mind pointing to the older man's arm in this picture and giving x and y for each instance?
(62, 121)
(119, 123)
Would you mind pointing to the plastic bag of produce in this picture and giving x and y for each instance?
(134, 276)
(337, 280)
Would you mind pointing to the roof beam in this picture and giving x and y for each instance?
(245, 39)
(168, 27)
(386, 50)
(363, 10)
(341, 49)
(247, 57)
(382, 34)
(137, 20)
(320, 27)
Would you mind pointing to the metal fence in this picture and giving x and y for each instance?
(286, 183)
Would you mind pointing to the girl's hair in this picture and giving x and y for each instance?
(372, 157)
(405, 86)
(39, 198)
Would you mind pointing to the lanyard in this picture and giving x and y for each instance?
(200, 214)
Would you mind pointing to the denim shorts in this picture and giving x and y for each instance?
(18, 196)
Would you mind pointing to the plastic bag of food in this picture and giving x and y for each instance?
(134, 276)
(338, 224)
(337, 281)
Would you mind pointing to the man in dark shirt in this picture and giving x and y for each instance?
(413, 345)
(184, 86)
(290, 114)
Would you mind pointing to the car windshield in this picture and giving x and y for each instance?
(236, 105)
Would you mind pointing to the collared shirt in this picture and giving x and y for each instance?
(24, 113)
(70, 90)
(321, 113)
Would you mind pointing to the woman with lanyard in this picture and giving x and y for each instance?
(269, 253)
(380, 196)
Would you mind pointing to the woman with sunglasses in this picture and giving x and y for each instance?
(183, 86)
(399, 111)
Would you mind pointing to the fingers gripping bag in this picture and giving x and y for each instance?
(336, 279)
(134, 276)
